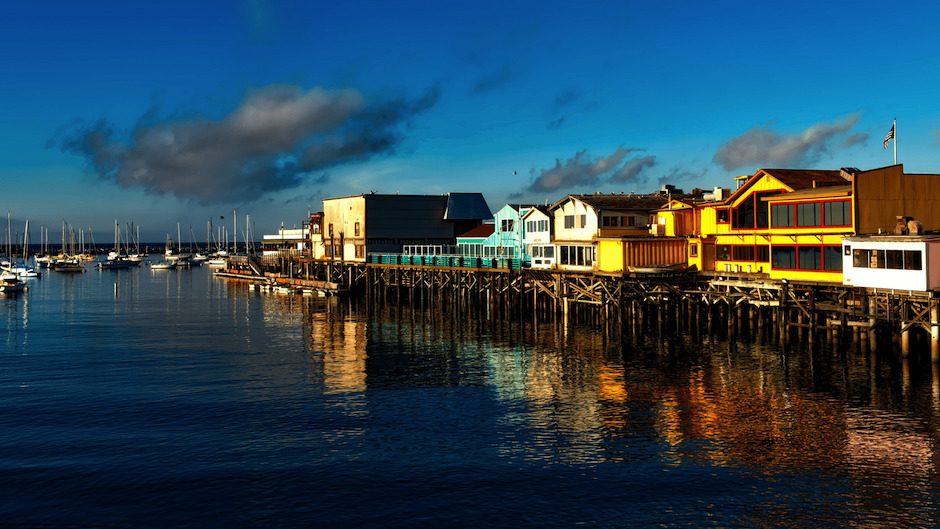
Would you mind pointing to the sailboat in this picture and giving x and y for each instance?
(116, 258)
(21, 269)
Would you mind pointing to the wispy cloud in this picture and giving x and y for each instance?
(767, 147)
(584, 170)
(492, 80)
(278, 137)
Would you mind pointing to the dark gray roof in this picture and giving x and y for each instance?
(634, 202)
(467, 206)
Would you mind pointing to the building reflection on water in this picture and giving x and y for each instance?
(686, 400)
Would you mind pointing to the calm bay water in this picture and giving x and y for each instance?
(141, 398)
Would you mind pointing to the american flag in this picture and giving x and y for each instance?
(889, 136)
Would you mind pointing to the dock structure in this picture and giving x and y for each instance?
(735, 304)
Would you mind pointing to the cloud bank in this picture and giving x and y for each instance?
(583, 170)
(768, 148)
(277, 138)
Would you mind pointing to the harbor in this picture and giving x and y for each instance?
(216, 393)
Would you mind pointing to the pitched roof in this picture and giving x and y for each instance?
(806, 178)
(483, 230)
(543, 209)
(466, 206)
(638, 202)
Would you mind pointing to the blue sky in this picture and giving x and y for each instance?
(171, 112)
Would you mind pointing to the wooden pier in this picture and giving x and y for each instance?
(735, 304)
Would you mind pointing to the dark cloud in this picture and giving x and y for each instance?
(768, 148)
(583, 170)
(558, 105)
(273, 140)
(630, 171)
(492, 80)
(564, 99)
(678, 176)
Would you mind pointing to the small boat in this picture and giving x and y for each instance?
(11, 283)
(68, 265)
(163, 265)
(116, 264)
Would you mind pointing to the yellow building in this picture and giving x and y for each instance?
(789, 223)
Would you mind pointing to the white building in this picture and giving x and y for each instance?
(896, 262)
(537, 237)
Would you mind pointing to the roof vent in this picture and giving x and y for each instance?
(914, 227)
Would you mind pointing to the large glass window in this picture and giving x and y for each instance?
(723, 252)
(783, 257)
(832, 258)
(762, 253)
(743, 215)
(810, 258)
(743, 253)
(912, 260)
(809, 214)
(763, 212)
(781, 215)
(861, 258)
(569, 221)
(837, 213)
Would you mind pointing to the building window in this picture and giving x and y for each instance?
(506, 225)
(357, 230)
(743, 252)
(832, 258)
(810, 258)
(583, 219)
(743, 216)
(783, 257)
(576, 255)
(693, 249)
(569, 221)
(631, 221)
(360, 251)
(721, 216)
(809, 214)
(723, 252)
(331, 229)
(762, 253)
(781, 215)
(837, 213)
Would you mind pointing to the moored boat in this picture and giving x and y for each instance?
(163, 265)
(68, 265)
(11, 283)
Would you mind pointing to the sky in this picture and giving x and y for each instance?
(171, 115)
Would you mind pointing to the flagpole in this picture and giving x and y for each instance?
(895, 129)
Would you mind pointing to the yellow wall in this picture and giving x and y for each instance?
(614, 256)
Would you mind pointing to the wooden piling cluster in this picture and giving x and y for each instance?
(744, 306)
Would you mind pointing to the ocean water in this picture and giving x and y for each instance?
(139, 398)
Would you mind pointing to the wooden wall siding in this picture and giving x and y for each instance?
(615, 256)
(883, 194)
